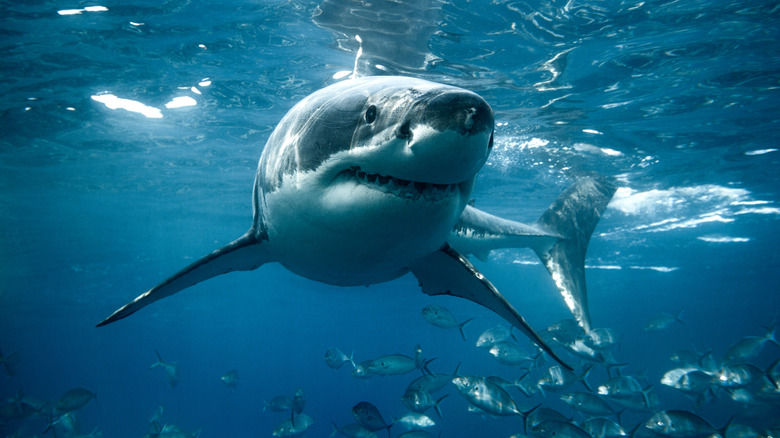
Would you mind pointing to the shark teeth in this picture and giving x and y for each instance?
(403, 188)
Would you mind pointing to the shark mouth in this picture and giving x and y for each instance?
(402, 188)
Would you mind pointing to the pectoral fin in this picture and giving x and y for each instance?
(244, 254)
(446, 272)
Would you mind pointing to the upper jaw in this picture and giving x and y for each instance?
(402, 188)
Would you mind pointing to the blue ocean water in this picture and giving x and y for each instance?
(130, 136)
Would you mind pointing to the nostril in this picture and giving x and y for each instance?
(404, 131)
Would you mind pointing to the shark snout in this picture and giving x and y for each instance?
(461, 111)
(449, 133)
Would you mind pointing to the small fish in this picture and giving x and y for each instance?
(353, 430)
(297, 404)
(692, 359)
(748, 348)
(558, 429)
(171, 369)
(432, 382)
(280, 403)
(289, 427)
(415, 421)
(418, 400)
(230, 379)
(392, 365)
(588, 404)
(336, 358)
(689, 380)
(739, 375)
(542, 414)
(173, 431)
(663, 321)
(680, 424)
(557, 379)
(492, 335)
(441, 317)
(626, 391)
(509, 353)
(487, 396)
(73, 400)
(600, 339)
(580, 348)
(566, 331)
(368, 416)
(603, 428)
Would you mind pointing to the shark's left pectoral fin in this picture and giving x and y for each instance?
(243, 254)
(447, 272)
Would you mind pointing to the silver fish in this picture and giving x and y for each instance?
(739, 375)
(558, 429)
(603, 428)
(663, 321)
(509, 353)
(295, 426)
(557, 379)
(336, 358)
(171, 369)
(748, 347)
(588, 404)
(689, 380)
(492, 335)
(391, 365)
(441, 317)
(600, 339)
(368, 416)
(432, 382)
(418, 400)
(230, 379)
(566, 331)
(353, 430)
(73, 400)
(487, 396)
(680, 424)
(415, 421)
(280, 403)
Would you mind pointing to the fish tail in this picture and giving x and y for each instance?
(463, 324)
(525, 415)
(677, 317)
(335, 430)
(437, 407)
(771, 336)
(584, 378)
(352, 359)
(574, 216)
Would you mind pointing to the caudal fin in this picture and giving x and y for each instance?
(243, 254)
(574, 216)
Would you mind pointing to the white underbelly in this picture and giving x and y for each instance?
(352, 235)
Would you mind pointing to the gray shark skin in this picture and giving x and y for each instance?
(368, 179)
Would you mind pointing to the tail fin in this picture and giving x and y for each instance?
(574, 216)
(462, 325)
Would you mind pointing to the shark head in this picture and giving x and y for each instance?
(366, 176)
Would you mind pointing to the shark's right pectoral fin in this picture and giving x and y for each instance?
(447, 272)
(244, 254)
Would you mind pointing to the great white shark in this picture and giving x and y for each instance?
(370, 178)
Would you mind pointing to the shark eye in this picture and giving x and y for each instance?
(371, 114)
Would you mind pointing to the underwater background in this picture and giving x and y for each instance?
(130, 134)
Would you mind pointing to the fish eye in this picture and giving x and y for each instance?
(371, 114)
